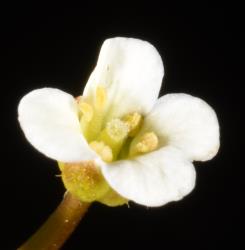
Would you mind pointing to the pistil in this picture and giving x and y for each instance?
(114, 135)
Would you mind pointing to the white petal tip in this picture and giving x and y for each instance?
(125, 67)
(48, 118)
(188, 123)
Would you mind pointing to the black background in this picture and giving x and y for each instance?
(57, 46)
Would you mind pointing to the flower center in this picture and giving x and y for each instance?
(114, 139)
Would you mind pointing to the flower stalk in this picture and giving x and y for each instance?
(59, 226)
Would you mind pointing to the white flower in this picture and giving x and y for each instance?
(144, 146)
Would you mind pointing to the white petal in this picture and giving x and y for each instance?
(50, 123)
(131, 71)
(187, 123)
(153, 179)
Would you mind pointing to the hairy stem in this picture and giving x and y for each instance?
(59, 226)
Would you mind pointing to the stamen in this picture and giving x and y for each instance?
(92, 128)
(134, 122)
(103, 150)
(146, 143)
(100, 98)
(87, 111)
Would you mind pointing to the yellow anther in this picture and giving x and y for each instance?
(103, 150)
(87, 111)
(100, 97)
(146, 143)
(133, 121)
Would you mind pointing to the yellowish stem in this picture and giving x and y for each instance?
(59, 226)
